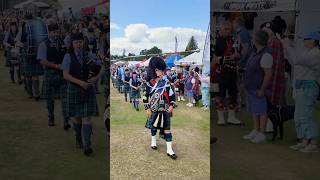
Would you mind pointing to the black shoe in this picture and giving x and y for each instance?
(154, 147)
(130, 101)
(87, 151)
(66, 126)
(173, 156)
(213, 140)
(37, 98)
(137, 109)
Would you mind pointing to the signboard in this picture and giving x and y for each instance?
(252, 5)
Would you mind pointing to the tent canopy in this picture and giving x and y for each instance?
(193, 59)
(31, 2)
(252, 5)
(171, 59)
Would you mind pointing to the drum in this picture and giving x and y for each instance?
(35, 31)
(14, 56)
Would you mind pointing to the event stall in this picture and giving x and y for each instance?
(297, 13)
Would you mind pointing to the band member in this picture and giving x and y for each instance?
(12, 52)
(50, 55)
(179, 85)
(81, 95)
(135, 85)
(226, 75)
(32, 68)
(126, 85)
(159, 101)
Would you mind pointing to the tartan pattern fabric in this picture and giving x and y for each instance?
(28, 68)
(52, 89)
(135, 94)
(277, 83)
(76, 105)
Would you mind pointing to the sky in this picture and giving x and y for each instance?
(141, 24)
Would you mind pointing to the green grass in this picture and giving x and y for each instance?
(234, 157)
(131, 156)
(30, 150)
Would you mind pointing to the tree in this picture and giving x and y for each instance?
(192, 44)
(154, 50)
(131, 54)
(143, 52)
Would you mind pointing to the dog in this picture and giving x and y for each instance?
(279, 115)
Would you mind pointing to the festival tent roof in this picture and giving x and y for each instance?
(253, 5)
(145, 63)
(171, 59)
(31, 2)
(193, 59)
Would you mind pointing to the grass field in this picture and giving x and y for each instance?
(234, 157)
(132, 158)
(30, 150)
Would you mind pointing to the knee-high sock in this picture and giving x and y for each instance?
(50, 107)
(64, 110)
(153, 131)
(87, 131)
(77, 129)
(29, 87)
(35, 88)
(18, 74)
(12, 74)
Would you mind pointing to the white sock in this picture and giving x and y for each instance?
(153, 141)
(169, 148)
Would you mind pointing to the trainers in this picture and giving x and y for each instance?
(298, 146)
(310, 148)
(251, 135)
(259, 138)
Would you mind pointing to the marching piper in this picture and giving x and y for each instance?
(50, 55)
(159, 101)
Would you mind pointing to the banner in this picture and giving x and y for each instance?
(253, 5)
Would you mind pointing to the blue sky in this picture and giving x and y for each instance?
(159, 13)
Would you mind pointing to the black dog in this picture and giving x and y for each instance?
(279, 115)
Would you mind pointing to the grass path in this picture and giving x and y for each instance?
(30, 150)
(132, 158)
(234, 157)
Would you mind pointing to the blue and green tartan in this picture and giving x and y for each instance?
(135, 94)
(77, 105)
(29, 68)
(52, 88)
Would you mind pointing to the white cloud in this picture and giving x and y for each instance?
(114, 26)
(139, 36)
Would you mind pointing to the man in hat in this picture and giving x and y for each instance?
(159, 101)
(50, 54)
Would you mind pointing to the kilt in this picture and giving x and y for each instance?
(29, 68)
(81, 103)
(126, 88)
(166, 120)
(53, 85)
(135, 94)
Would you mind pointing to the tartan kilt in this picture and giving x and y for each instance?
(135, 94)
(52, 88)
(79, 106)
(29, 68)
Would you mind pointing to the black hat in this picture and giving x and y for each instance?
(77, 36)
(157, 63)
(53, 27)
